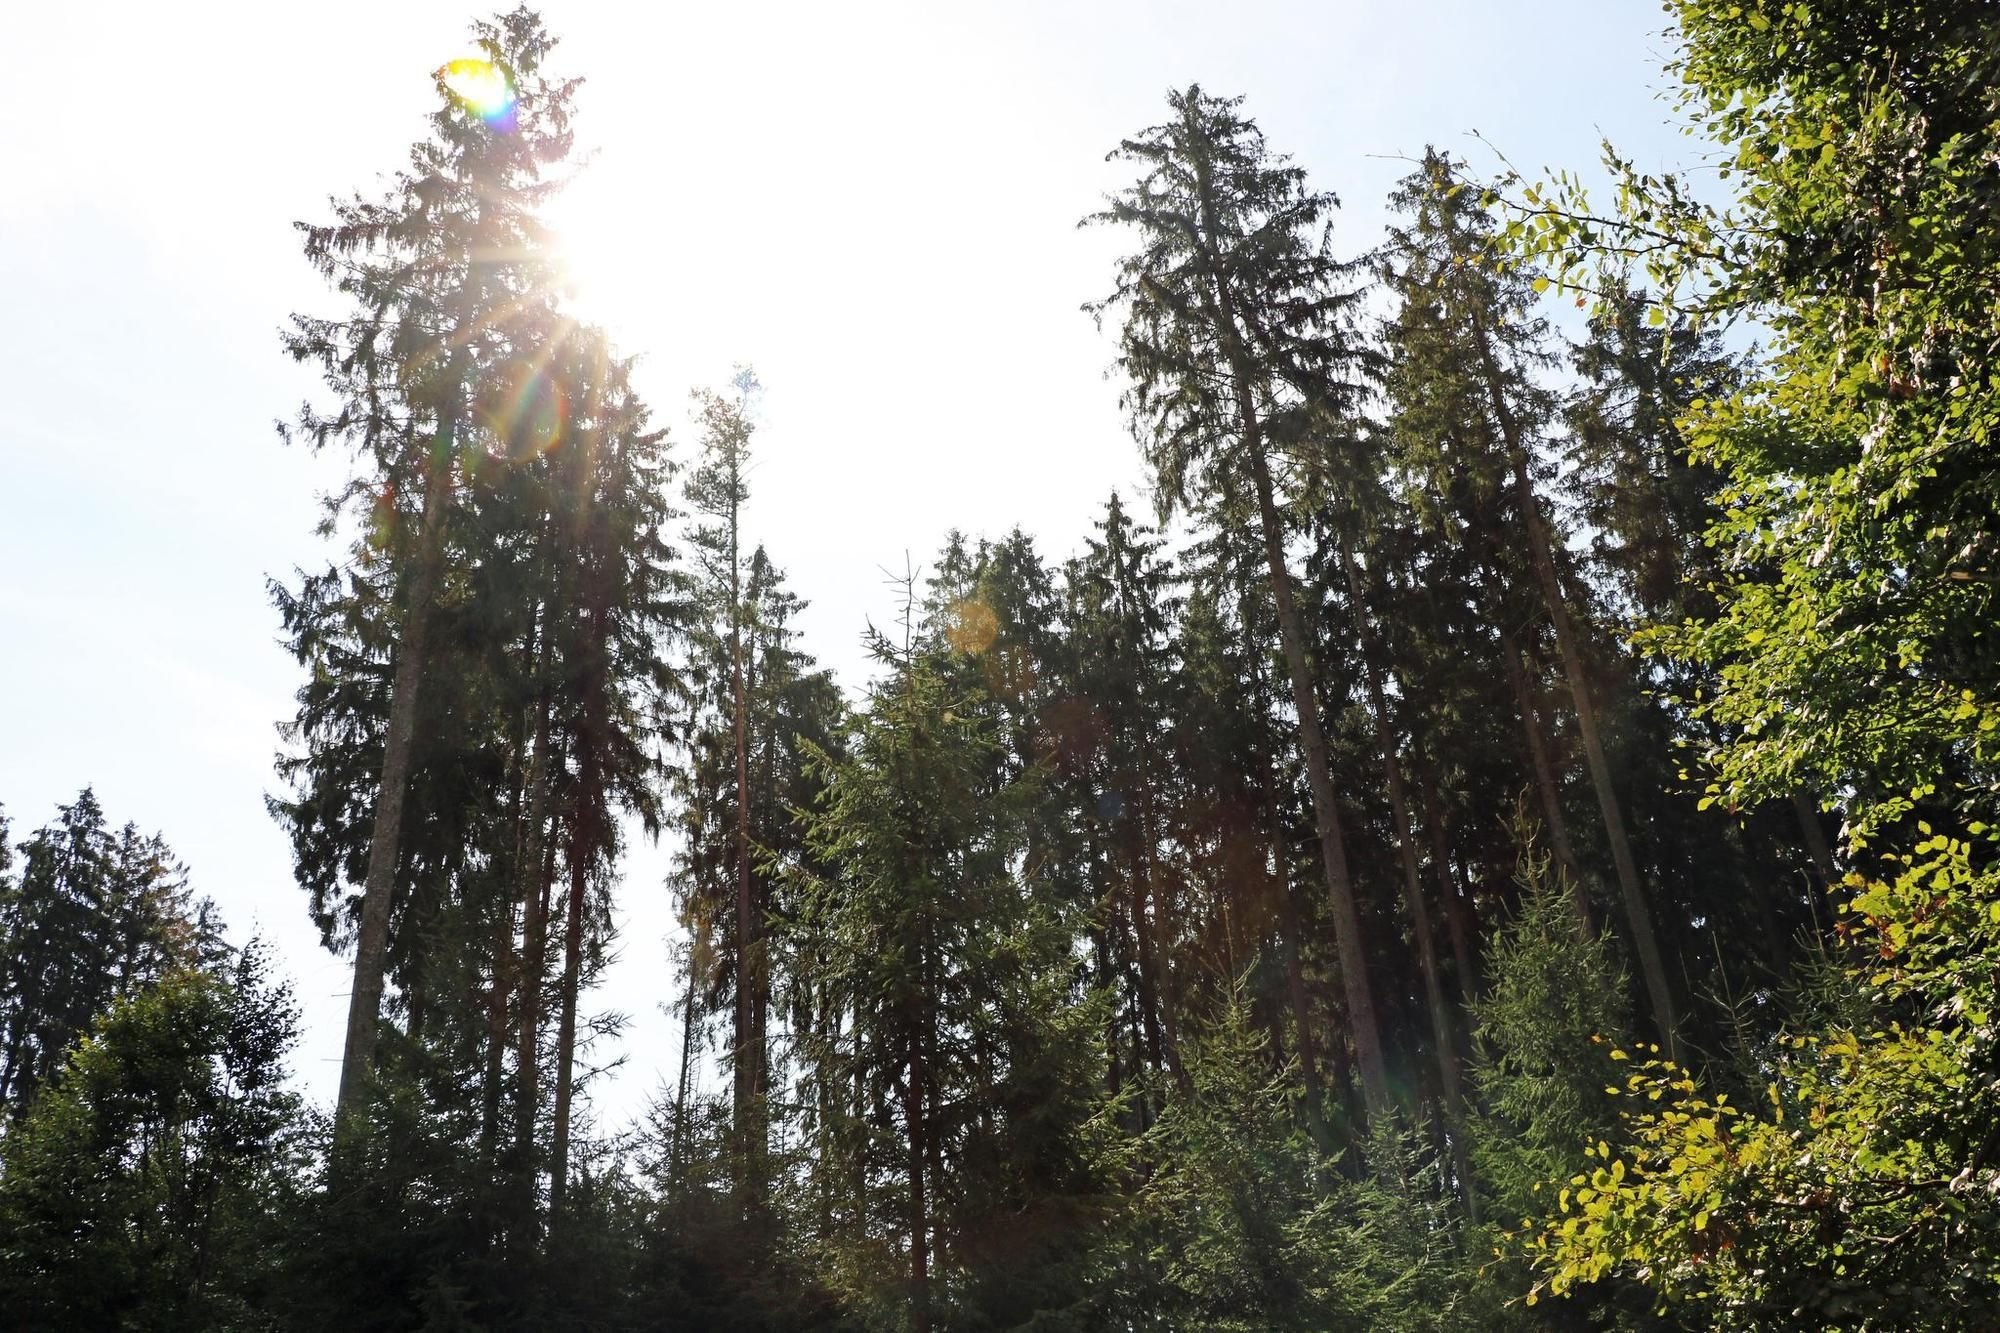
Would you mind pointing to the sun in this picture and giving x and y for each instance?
(601, 241)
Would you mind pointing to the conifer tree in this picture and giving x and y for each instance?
(717, 490)
(1465, 344)
(932, 933)
(1235, 341)
(446, 273)
(94, 916)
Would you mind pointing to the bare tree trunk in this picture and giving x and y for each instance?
(385, 844)
(1457, 923)
(1543, 771)
(677, 1164)
(582, 849)
(747, 1057)
(1291, 942)
(1347, 933)
(533, 891)
(1361, 1016)
(914, 1105)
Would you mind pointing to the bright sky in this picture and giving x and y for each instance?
(873, 203)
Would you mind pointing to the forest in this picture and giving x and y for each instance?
(1501, 834)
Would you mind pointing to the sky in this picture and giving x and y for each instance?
(874, 204)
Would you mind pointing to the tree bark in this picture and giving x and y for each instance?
(1814, 835)
(533, 892)
(1347, 933)
(1362, 1020)
(385, 844)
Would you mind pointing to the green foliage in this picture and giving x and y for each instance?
(1555, 997)
(95, 916)
(146, 1186)
(1238, 1223)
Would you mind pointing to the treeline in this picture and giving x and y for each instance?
(1384, 886)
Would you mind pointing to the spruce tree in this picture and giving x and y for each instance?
(1464, 345)
(1235, 339)
(447, 275)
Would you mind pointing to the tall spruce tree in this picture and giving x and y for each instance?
(1236, 341)
(448, 274)
(717, 490)
(1464, 346)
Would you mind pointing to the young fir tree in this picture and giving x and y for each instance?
(448, 275)
(1235, 340)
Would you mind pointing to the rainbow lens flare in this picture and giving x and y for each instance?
(483, 88)
(526, 417)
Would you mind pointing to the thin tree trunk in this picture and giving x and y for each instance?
(1291, 942)
(914, 1103)
(748, 1055)
(385, 844)
(1542, 769)
(572, 975)
(1361, 1016)
(677, 1163)
(1638, 913)
(1461, 930)
(532, 890)
(1347, 932)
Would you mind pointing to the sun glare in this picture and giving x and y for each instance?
(483, 87)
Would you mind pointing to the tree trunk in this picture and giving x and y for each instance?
(385, 844)
(1815, 838)
(532, 890)
(677, 1165)
(1543, 771)
(747, 1058)
(1457, 914)
(1638, 913)
(1361, 1015)
(1347, 933)
(914, 1099)
(582, 849)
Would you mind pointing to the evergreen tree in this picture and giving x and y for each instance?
(449, 279)
(1464, 348)
(1235, 341)
(93, 918)
(965, 1053)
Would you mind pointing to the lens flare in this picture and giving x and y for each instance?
(972, 628)
(483, 88)
(525, 418)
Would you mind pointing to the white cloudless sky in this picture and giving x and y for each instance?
(872, 203)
